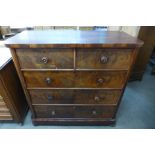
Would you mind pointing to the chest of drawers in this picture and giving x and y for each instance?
(73, 77)
(13, 104)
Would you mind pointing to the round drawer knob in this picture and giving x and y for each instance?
(100, 80)
(48, 80)
(96, 98)
(53, 112)
(94, 112)
(104, 59)
(44, 60)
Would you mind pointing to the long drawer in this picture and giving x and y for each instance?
(78, 79)
(45, 58)
(65, 96)
(103, 58)
(50, 111)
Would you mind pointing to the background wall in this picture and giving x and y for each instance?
(132, 30)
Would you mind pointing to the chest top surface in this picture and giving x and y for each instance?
(72, 39)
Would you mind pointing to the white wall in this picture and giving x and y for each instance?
(132, 30)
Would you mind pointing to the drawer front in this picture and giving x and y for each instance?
(49, 79)
(52, 96)
(45, 58)
(103, 58)
(80, 79)
(100, 79)
(74, 96)
(48, 111)
(96, 96)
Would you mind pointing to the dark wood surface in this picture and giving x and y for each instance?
(147, 34)
(72, 96)
(12, 93)
(72, 38)
(51, 111)
(46, 59)
(79, 79)
(103, 58)
(71, 121)
(87, 85)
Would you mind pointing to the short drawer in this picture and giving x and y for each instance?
(45, 58)
(48, 111)
(65, 96)
(79, 79)
(103, 58)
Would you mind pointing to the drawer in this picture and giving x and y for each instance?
(48, 111)
(45, 58)
(103, 58)
(79, 79)
(66, 96)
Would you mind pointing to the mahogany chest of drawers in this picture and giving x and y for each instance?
(73, 77)
(13, 104)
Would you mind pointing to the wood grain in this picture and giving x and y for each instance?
(88, 84)
(65, 96)
(22, 80)
(72, 39)
(147, 34)
(12, 94)
(54, 58)
(92, 58)
(80, 79)
(50, 111)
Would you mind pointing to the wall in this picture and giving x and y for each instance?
(132, 30)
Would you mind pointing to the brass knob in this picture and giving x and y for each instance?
(53, 112)
(44, 60)
(48, 80)
(104, 59)
(96, 98)
(100, 80)
(94, 112)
